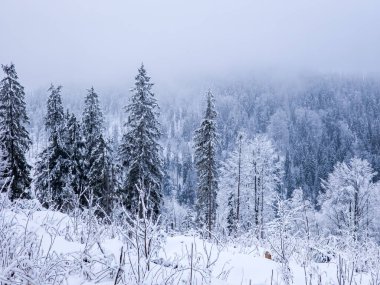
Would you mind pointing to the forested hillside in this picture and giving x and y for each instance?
(314, 122)
(289, 165)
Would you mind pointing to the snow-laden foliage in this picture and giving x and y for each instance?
(350, 203)
(53, 165)
(74, 147)
(40, 246)
(98, 167)
(140, 149)
(14, 137)
(254, 172)
(205, 144)
(286, 194)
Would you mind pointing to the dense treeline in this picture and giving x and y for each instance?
(80, 168)
(314, 125)
(222, 166)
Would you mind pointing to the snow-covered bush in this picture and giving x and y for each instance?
(24, 255)
(349, 206)
(249, 179)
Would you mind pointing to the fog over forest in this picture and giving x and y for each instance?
(96, 43)
(201, 142)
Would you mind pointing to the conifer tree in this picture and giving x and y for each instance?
(140, 150)
(93, 121)
(53, 166)
(14, 138)
(205, 141)
(101, 175)
(74, 146)
(95, 146)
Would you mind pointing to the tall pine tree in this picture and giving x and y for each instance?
(53, 166)
(205, 142)
(101, 176)
(92, 118)
(96, 158)
(140, 150)
(14, 138)
(75, 148)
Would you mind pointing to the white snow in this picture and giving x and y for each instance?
(214, 263)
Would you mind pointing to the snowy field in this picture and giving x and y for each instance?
(47, 247)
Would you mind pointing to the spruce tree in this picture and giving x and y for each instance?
(53, 166)
(14, 138)
(101, 176)
(94, 146)
(140, 150)
(93, 120)
(205, 142)
(74, 146)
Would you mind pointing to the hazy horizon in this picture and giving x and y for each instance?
(91, 42)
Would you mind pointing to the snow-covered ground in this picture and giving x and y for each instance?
(48, 247)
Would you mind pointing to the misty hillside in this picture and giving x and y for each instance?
(282, 174)
(189, 143)
(314, 122)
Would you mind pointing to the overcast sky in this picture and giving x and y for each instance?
(102, 42)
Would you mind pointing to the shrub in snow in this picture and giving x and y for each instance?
(349, 204)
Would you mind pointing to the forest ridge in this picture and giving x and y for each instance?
(290, 168)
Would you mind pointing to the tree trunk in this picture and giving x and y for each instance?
(256, 200)
(238, 186)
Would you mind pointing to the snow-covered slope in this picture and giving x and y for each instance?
(39, 246)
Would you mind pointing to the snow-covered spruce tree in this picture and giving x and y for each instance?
(14, 138)
(74, 146)
(92, 119)
(97, 162)
(140, 150)
(205, 143)
(52, 168)
(101, 176)
(350, 199)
